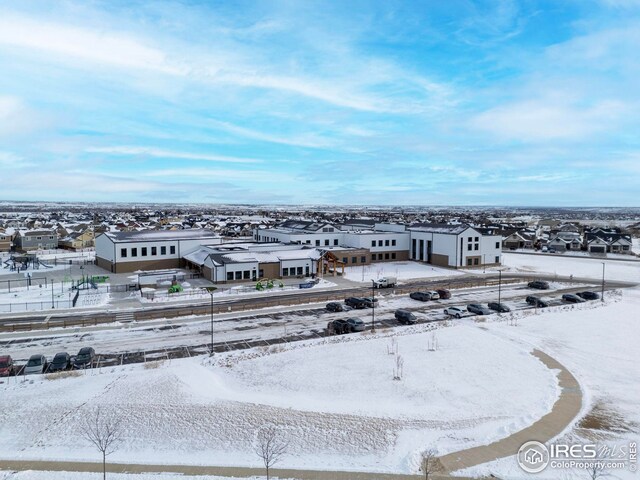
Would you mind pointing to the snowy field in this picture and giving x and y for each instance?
(400, 270)
(32, 475)
(576, 266)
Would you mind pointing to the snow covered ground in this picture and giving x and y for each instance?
(33, 475)
(576, 266)
(400, 270)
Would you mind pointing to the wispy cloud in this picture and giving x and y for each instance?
(160, 153)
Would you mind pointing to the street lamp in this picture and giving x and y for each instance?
(499, 284)
(210, 290)
(602, 289)
(373, 303)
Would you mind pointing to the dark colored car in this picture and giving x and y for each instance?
(588, 295)
(420, 296)
(536, 301)
(571, 298)
(370, 302)
(498, 307)
(478, 309)
(62, 361)
(405, 317)
(85, 358)
(444, 294)
(355, 325)
(338, 327)
(7, 368)
(355, 302)
(334, 307)
(539, 284)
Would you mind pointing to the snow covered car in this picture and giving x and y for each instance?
(454, 312)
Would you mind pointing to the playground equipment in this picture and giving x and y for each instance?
(175, 287)
(18, 263)
(265, 283)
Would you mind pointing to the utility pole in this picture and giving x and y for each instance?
(499, 284)
(52, 301)
(602, 289)
(210, 290)
(373, 303)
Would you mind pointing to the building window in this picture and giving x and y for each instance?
(154, 250)
(134, 252)
(238, 275)
(497, 244)
(477, 239)
(497, 259)
(469, 262)
(354, 259)
(123, 252)
(345, 260)
(363, 259)
(38, 238)
(229, 276)
(393, 243)
(285, 272)
(379, 243)
(163, 250)
(299, 272)
(326, 242)
(469, 247)
(246, 274)
(317, 243)
(172, 250)
(469, 239)
(475, 261)
(373, 243)
(393, 255)
(308, 242)
(373, 256)
(335, 241)
(50, 238)
(386, 243)
(475, 247)
(386, 256)
(144, 251)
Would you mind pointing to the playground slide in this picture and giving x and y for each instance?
(44, 264)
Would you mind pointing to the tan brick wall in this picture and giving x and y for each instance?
(270, 270)
(401, 256)
(126, 267)
(440, 260)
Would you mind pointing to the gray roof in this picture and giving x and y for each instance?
(440, 228)
(161, 235)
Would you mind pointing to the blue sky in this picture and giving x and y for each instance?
(380, 102)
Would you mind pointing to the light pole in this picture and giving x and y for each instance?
(52, 302)
(210, 290)
(602, 289)
(373, 303)
(499, 284)
(484, 263)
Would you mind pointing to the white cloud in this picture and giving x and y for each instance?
(160, 153)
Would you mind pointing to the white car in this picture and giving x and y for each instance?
(434, 295)
(454, 312)
(36, 364)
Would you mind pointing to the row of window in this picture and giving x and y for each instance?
(476, 261)
(242, 275)
(38, 238)
(291, 271)
(386, 243)
(144, 251)
(387, 256)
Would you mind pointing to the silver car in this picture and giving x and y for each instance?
(36, 364)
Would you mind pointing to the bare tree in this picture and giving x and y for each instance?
(596, 471)
(429, 463)
(104, 433)
(270, 446)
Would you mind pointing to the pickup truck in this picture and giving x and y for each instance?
(385, 282)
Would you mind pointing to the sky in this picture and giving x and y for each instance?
(321, 102)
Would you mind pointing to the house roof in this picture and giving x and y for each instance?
(440, 228)
(160, 235)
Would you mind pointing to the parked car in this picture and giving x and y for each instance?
(334, 307)
(355, 302)
(498, 307)
(454, 312)
(85, 358)
(434, 295)
(385, 282)
(36, 364)
(536, 301)
(420, 296)
(355, 325)
(478, 309)
(444, 294)
(338, 327)
(552, 250)
(571, 298)
(62, 361)
(370, 302)
(539, 284)
(588, 295)
(7, 369)
(405, 317)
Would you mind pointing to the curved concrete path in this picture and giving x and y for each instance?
(563, 412)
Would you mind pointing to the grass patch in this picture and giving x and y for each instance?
(154, 364)
(60, 375)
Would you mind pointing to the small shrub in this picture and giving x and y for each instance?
(154, 364)
(66, 374)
